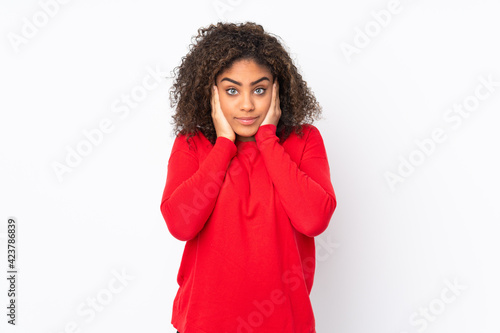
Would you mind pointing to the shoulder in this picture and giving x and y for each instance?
(310, 129)
(191, 143)
(307, 132)
(296, 145)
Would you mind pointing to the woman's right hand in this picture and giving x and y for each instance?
(222, 127)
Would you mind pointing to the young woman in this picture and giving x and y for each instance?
(248, 185)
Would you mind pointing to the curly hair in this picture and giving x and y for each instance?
(214, 50)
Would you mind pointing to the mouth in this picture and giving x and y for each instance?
(247, 120)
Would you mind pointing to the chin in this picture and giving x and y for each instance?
(248, 132)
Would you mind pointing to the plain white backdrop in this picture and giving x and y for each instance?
(410, 93)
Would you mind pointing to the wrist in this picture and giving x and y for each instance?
(265, 131)
(232, 138)
(268, 125)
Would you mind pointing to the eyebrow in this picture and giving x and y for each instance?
(252, 83)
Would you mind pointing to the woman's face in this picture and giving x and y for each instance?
(245, 91)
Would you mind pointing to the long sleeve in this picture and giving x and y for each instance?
(192, 187)
(306, 191)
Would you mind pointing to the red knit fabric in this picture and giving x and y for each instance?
(249, 211)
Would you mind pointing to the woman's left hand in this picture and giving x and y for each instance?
(274, 113)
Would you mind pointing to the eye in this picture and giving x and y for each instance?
(231, 91)
(260, 91)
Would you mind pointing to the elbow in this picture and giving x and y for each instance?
(332, 204)
(321, 222)
(179, 234)
(176, 223)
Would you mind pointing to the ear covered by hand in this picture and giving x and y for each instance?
(274, 113)
(222, 127)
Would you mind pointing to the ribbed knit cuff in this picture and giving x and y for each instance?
(265, 131)
(225, 145)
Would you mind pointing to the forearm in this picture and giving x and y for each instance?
(187, 203)
(306, 193)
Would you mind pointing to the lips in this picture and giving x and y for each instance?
(247, 120)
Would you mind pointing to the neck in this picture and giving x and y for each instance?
(244, 138)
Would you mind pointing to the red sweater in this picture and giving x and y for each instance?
(249, 212)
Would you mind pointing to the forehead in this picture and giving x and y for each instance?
(245, 71)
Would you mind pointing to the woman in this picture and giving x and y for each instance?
(248, 185)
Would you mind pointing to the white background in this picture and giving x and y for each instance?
(397, 249)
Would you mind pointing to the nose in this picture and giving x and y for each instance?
(246, 102)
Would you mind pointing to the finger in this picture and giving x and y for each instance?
(217, 102)
(278, 106)
(214, 99)
(273, 96)
(212, 95)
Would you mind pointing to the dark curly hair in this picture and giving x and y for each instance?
(214, 50)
